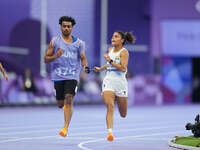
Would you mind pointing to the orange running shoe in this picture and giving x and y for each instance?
(63, 132)
(110, 137)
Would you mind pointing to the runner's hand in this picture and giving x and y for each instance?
(97, 69)
(59, 53)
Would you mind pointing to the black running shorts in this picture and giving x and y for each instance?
(65, 87)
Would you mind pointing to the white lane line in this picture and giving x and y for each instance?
(151, 139)
(27, 127)
(91, 133)
(77, 138)
(40, 126)
(183, 147)
(127, 130)
(88, 133)
(28, 138)
(13, 137)
(46, 137)
(46, 130)
(81, 145)
(84, 124)
(28, 132)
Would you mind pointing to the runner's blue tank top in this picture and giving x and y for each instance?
(67, 66)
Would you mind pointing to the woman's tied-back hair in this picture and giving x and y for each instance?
(68, 19)
(127, 36)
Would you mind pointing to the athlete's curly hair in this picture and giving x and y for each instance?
(68, 19)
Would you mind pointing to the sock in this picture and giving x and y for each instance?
(110, 130)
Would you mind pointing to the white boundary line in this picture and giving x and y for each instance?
(126, 130)
(46, 126)
(26, 127)
(12, 137)
(151, 139)
(44, 130)
(184, 147)
(78, 138)
(91, 127)
(81, 145)
(83, 124)
(28, 138)
(45, 137)
(87, 133)
(27, 132)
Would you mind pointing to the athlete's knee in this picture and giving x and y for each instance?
(110, 107)
(68, 99)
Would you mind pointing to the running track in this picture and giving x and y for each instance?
(145, 128)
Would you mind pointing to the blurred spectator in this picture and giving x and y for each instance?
(28, 81)
(131, 93)
(91, 86)
(196, 89)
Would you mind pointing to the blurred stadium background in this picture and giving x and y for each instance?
(164, 66)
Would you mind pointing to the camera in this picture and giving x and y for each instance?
(194, 127)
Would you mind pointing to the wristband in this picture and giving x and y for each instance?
(87, 69)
